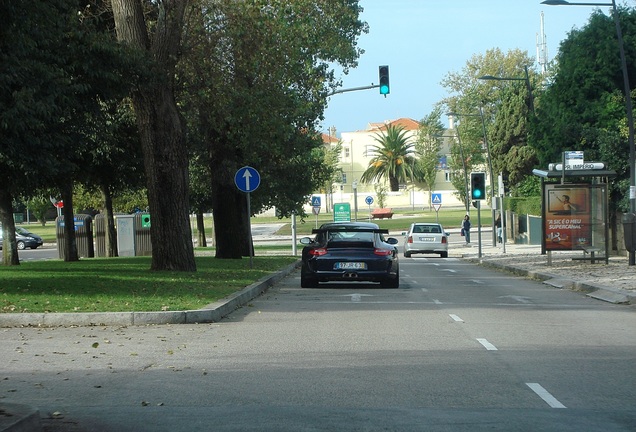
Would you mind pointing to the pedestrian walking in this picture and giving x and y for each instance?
(466, 228)
(499, 229)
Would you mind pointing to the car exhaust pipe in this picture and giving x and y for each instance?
(351, 275)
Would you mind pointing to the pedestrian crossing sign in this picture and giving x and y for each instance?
(436, 198)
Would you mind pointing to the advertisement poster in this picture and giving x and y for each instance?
(567, 218)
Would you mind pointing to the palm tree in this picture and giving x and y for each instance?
(393, 158)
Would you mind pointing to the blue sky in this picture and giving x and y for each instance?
(423, 40)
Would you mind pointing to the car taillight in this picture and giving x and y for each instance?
(318, 251)
(410, 239)
(382, 252)
(444, 239)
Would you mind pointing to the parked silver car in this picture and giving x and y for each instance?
(424, 237)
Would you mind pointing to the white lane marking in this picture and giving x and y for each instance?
(477, 281)
(487, 345)
(456, 318)
(437, 302)
(545, 395)
(520, 299)
(449, 270)
(356, 297)
(424, 290)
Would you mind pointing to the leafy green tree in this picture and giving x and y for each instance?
(427, 146)
(55, 67)
(40, 205)
(393, 158)
(511, 153)
(469, 95)
(583, 107)
(380, 194)
(254, 98)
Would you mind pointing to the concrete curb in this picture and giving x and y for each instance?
(210, 313)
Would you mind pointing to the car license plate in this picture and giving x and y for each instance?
(350, 266)
(427, 239)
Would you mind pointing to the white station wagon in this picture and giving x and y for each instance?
(425, 237)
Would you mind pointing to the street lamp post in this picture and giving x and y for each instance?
(628, 102)
(461, 154)
(526, 79)
(492, 181)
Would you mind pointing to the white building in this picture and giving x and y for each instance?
(357, 152)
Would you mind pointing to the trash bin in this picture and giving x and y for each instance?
(84, 235)
(83, 225)
(629, 231)
(143, 242)
(100, 235)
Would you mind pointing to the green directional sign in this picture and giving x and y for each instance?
(342, 212)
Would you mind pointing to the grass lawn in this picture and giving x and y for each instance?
(125, 284)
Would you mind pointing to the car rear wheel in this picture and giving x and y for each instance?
(443, 255)
(407, 254)
(21, 245)
(391, 283)
(308, 282)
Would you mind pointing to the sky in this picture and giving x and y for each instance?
(422, 41)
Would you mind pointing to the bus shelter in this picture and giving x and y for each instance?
(574, 211)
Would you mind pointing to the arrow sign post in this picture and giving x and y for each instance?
(247, 179)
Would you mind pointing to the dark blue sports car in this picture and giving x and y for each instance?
(350, 251)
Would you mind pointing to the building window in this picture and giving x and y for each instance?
(346, 152)
(344, 178)
(369, 151)
(447, 176)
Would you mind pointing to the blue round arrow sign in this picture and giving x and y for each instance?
(247, 179)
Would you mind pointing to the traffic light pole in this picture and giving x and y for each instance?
(479, 227)
(372, 86)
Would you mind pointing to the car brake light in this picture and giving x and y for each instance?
(410, 239)
(383, 252)
(444, 239)
(318, 251)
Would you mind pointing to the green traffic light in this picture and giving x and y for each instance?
(383, 72)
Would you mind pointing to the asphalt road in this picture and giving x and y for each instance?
(457, 347)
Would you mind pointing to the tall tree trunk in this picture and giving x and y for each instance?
(394, 183)
(161, 131)
(70, 243)
(110, 234)
(202, 241)
(9, 245)
(229, 232)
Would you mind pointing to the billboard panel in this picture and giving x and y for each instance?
(567, 217)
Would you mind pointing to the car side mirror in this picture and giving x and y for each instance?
(392, 240)
(306, 241)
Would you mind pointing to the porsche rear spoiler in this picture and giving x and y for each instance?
(349, 229)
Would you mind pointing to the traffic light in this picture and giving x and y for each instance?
(478, 185)
(384, 80)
